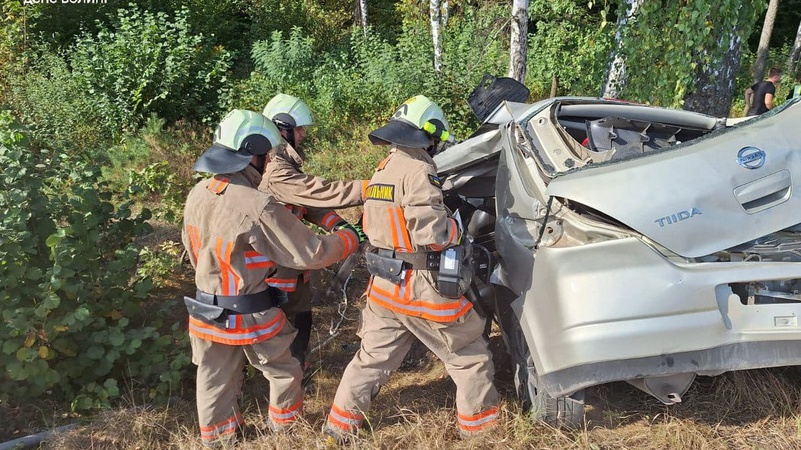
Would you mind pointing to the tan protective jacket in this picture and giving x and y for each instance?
(309, 198)
(289, 185)
(236, 236)
(403, 211)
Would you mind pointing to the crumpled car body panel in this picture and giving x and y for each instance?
(630, 261)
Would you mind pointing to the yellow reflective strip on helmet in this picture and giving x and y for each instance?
(432, 130)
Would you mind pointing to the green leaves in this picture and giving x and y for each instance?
(68, 281)
(669, 45)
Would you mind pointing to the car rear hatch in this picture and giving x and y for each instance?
(706, 195)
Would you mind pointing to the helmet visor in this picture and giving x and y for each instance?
(221, 159)
(401, 133)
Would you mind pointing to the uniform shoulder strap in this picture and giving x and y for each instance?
(383, 163)
(218, 184)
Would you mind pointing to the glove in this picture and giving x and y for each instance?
(354, 228)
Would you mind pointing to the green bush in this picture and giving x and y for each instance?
(288, 63)
(56, 107)
(73, 324)
(564, 46)
(364, 78)
(149, 64)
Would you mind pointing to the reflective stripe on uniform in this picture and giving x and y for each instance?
(230, 280)
(285, 284)
(287, 415)
(329, 220)
(350, 239)
(255, 260)
(478, 422)
(223, 428)
(194, 239)
(344, 420)
(400, 235)
(400, 301)
(218, 184)
(237, 335)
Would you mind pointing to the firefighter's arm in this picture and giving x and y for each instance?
(290, 243)
(324, 218)
(299, 188)
(426, 216)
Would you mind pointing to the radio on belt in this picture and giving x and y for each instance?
(450, 272)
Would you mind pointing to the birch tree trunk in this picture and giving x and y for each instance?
(616, 73)
(363, 15)
(716, 81)
(795, 53)
(436, 22)
(519, 41)
(764, 41)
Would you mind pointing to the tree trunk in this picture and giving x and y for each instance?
(764, 41)
(795, 53)
(362, 8)
(716, 81)
(436, 22)
(519, 41)
(616, 72)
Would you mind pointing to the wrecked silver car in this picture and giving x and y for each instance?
(635, 243)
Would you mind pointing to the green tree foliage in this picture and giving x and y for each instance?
(149, 64)
(326, 23)
(105, 84)
(569, 41)
(668, 43)
(60, 112)
(366, 77)
(72, 308)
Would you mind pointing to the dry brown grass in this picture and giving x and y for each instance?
(758, 409)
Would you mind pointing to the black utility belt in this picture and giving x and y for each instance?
(416, 261)
(450, 267)
(389, 264)
(215, 309)
(239, 304)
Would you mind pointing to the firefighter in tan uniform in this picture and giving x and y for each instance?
(308, 197)
(417, 283)
(236, 236)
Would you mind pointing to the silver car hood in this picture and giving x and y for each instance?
(706, 195)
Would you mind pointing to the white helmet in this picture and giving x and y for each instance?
(288, 111)
(418, 122)
(240, 136)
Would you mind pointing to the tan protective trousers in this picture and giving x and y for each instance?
(220, 377)
(387, 337)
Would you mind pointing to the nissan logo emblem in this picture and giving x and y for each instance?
(751, 157)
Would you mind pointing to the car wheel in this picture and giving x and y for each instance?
(567, 411)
